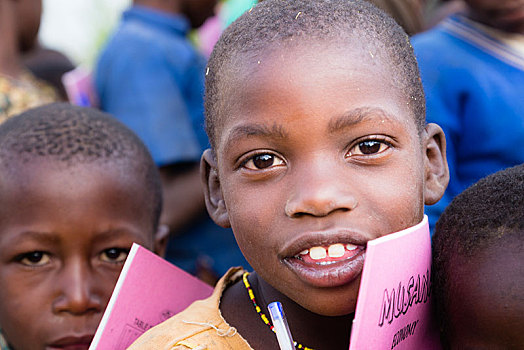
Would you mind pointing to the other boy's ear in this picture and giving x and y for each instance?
(436, 164)
(160, 240)
(215, 204)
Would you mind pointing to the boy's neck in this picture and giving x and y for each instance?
(308, 328)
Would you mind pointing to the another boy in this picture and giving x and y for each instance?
(478, 268)
(315, 112)
(77, 188)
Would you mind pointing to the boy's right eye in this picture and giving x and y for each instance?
(36, 258)
(262, 161)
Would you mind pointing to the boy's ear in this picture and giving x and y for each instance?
(160, 240)
(214, 199)
(436, 164)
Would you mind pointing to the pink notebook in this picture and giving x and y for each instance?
(149, 291)
(78, 84)
(394, 305)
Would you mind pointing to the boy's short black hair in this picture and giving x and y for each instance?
(281, 21)
(74, 135)
(487, 212)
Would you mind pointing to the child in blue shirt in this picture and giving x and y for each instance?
(472, 68)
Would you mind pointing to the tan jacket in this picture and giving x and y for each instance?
(199, 327)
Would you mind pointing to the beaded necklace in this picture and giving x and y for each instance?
(259, 310)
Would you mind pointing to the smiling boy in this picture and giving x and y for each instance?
(315, 113)
(77, 188)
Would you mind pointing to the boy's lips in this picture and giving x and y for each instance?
(326, 259)
(71, 343)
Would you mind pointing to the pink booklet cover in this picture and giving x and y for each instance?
(78, 84)
(394, 305)
(149, 291)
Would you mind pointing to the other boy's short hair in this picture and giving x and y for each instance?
(272, 22)
(486, 213)
(74, 135)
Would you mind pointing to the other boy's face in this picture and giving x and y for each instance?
(486, 306)
(64, 236)
(318, 155)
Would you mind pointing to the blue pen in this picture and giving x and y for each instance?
(285, 340)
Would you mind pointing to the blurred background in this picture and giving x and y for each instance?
(79, 28)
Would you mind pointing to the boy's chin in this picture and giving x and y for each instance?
(332, 310)
(339, 303)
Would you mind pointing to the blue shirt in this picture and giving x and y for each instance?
(474, 87)
(152, 79)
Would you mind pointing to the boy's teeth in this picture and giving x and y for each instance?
(336, 250)
(317, 253)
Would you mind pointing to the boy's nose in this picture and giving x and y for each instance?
(321, 190)
(77, 293)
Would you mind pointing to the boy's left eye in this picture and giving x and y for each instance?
(368, 147)
(114, 255)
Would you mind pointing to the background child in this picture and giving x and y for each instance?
(478, 265)
(19, 89)
(151, 78)
(77, 189)
(474, 90)
(315, 113)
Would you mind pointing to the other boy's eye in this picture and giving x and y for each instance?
(263, 161)
(369, 147)
(114, 255)
(35, 258)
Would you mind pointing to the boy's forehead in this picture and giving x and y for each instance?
(41, 176)
(31, 166)
(30, 190)
(304, 66)
(328, 54)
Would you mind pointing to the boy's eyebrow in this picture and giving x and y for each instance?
(44, 237)
(346, 120)
(247, 130)
(355, 116)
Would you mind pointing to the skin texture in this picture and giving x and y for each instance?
(339, 160)
(506, 15)
(486, 310)
(64, 235)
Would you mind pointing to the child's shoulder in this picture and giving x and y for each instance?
(200, 326)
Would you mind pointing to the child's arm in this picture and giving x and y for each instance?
(183, 196)
(9, 50)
